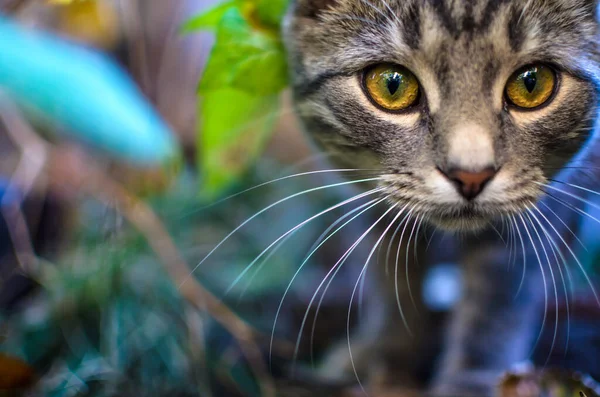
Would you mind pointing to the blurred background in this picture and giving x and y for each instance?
(90, 297)
(106, 288)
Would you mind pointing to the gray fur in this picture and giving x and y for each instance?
(462, 52)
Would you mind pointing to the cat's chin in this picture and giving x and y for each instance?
(460, 223)
(464, 220)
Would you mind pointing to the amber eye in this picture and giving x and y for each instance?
(391, 87)
(531, 86)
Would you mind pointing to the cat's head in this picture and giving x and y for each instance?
(466, 106)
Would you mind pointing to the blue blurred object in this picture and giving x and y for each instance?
(81, 93)
(442, 287)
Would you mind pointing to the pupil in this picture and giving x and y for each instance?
(393, 83)
(530, 80)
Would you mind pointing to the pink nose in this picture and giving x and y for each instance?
(470, 184)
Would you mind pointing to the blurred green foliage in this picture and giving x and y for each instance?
(240, 87)
(108, 320)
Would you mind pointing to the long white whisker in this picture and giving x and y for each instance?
(518, 230)
(329, 279)
(418, 220)
(581, 268)
(556, 249)
(574, 209)
(565, 225)
(512, 238)
(531, 215)
(335, 267)
(265, 210)
(315, 244)
(264, 262)
(578, 187)
(362, 282)
(297, 227)
(497, 232)
(361, 275)
(396, 285)
(543, 279)
(582, 199)
(283, 178)
(389, 249)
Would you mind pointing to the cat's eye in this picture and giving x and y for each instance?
(391, 87)
(531, 86)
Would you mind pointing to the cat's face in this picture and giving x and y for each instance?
(466, 106)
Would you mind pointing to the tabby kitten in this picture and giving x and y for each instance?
(470, 110)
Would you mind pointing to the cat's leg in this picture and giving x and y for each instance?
(493, 327)
(386, 346)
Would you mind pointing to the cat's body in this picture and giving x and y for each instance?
(461, 156)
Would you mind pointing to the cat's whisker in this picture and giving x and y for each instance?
(360, 276)
(396, 284)
(513, 227)
(417, 221)
(572, 207)
(497, 232)
(581, 267)
(297, 227)
(323, 235)
(565, 225)
(577, 211)
(263, 263)
(424, 220)
(362, 283)
(312, 251)
(575, 196)
(283, 178)
(262, 211)
(544, 281)
(511, 240)
(333, 271)
(579, 264)
(524, 253)
(319, 304)
(531, 217)
(556, 249)
(315, 244)
(431, 237)
(389, 249)
(577, 187)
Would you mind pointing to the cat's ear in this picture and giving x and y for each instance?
(312, 8)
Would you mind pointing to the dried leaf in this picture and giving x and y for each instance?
(15, 373)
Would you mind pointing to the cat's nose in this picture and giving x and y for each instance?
(470, 184)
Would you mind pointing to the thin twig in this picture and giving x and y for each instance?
(25, 178)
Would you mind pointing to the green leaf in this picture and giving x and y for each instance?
(235, 126)
(271, 12)
(246, 71)
(208, 20)
(245, 58)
